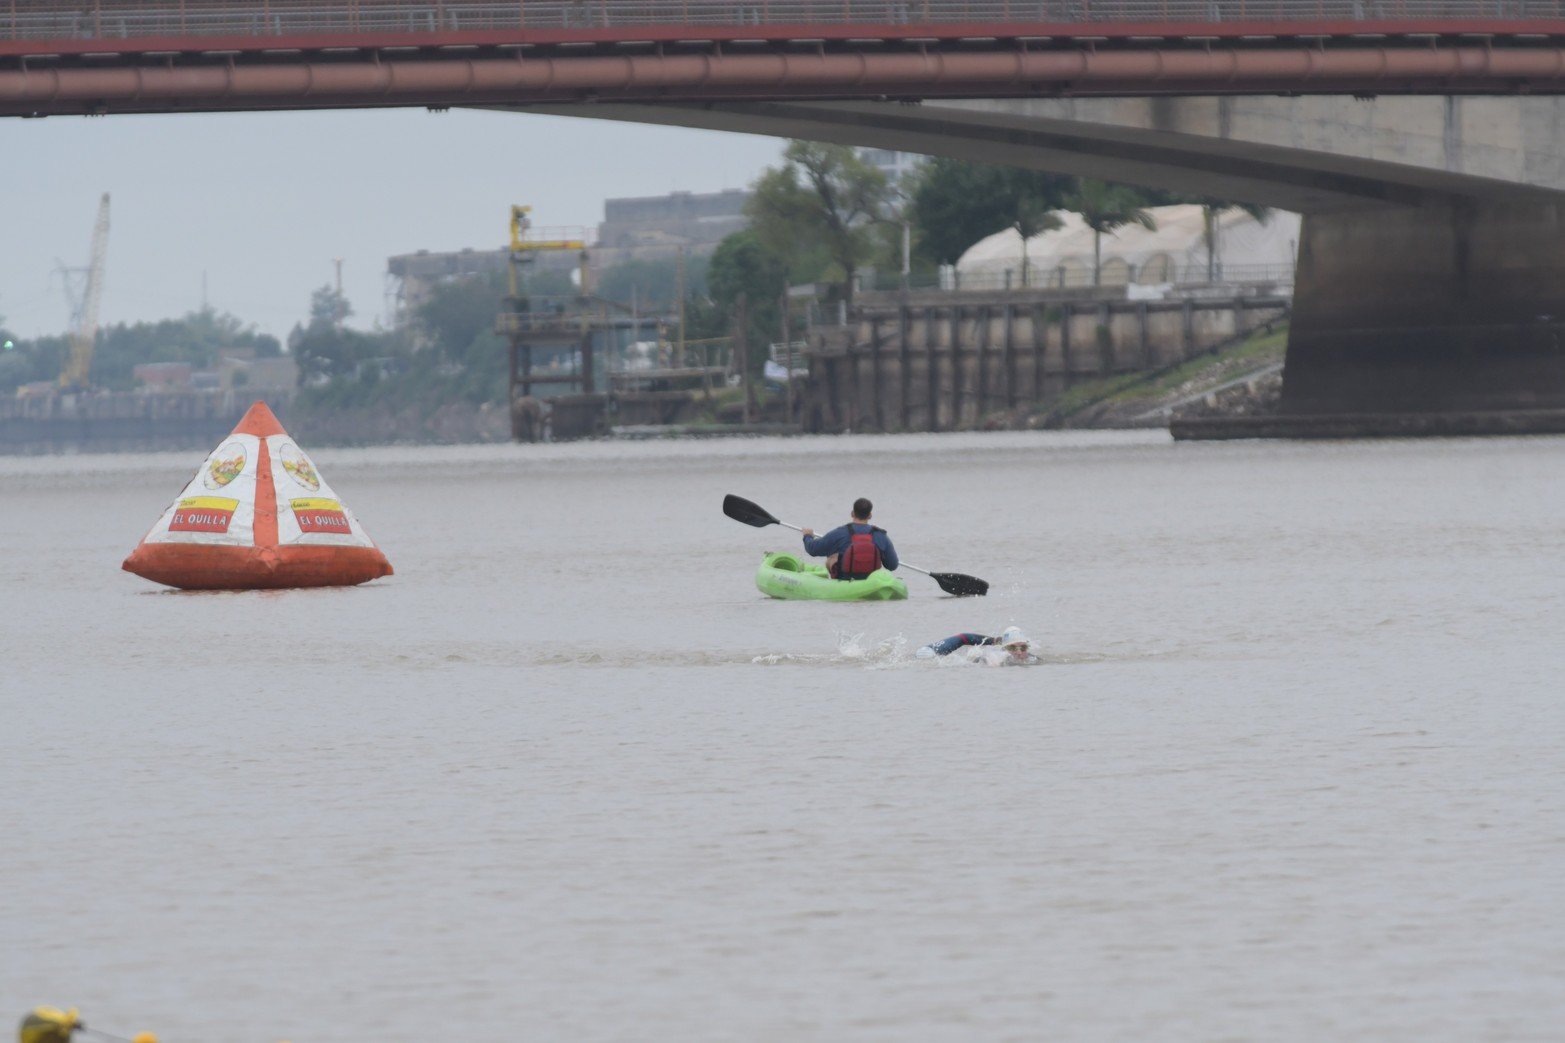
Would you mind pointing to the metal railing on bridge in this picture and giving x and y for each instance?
(124, 19)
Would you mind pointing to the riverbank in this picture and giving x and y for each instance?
(1243, 379)
(1239, 379)
(125, 421)
(454, 423)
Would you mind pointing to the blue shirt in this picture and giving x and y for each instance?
(836, 541)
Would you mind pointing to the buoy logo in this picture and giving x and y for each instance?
(299, 467)
(226, 464)
(316, 515)
(203, 514)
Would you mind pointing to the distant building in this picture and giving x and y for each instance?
(413, 277)
(1174, 253)
(657, 227)
(637, 229)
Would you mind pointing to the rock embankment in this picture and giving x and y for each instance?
(1241, 379)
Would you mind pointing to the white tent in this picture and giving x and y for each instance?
(1246, 250)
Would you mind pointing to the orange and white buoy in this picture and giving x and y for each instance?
(257, 515)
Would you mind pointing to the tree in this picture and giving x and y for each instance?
(956, 203)
(200, 338)
(1212, 211)
(1032, 211)
(1103, 208)
(467, 358)
(825, 197)
(651, 284)
(327, 305)
(458, 311)
(742, 265)
(32, 360)
(324, 350)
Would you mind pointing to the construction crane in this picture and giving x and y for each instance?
(526, 241)
(84, 325)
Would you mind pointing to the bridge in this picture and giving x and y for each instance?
(111, 56)
(1417, 136)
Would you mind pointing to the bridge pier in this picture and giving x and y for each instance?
(1456, 308)
(1440, 319)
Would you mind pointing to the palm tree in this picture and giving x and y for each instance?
(1211, 211)
(1103, 208)
(1031, 220)
(1033, 197)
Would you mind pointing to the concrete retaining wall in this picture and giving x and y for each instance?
(932, 366)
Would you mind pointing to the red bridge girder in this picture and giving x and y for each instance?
(187, 55)
(133, 19)
(82, 26)
(378, 81)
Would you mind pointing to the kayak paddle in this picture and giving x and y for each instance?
(742, 510)
(953, 582)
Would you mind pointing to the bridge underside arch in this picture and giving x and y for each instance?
(1307, 154)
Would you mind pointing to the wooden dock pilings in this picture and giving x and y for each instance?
(940, 362)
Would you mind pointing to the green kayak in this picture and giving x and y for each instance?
(786, 576)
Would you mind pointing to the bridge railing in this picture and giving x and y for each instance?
(100, 19)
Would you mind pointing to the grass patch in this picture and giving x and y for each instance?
(1127, 388)
(1091, 392)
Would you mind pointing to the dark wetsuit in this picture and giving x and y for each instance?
(955, 641)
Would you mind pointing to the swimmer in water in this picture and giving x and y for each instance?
(1018, 649)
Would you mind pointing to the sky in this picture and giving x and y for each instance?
(260, 204)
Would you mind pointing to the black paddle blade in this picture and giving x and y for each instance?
(960, 585)
(742, 510)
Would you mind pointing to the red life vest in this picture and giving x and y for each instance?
(861, 558)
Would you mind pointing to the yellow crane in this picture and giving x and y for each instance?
(84, 334)
(525, 241)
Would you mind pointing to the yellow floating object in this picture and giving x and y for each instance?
(48, 1025)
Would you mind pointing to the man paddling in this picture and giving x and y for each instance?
(854, 550)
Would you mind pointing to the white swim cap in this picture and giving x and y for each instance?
(1013, 636)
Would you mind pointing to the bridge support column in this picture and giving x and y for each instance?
(1459, 308)
(1446, 319)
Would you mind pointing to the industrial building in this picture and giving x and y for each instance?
(633, 229)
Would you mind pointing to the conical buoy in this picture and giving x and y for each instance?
(257, 515)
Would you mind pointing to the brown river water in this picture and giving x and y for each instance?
(1292, 766)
